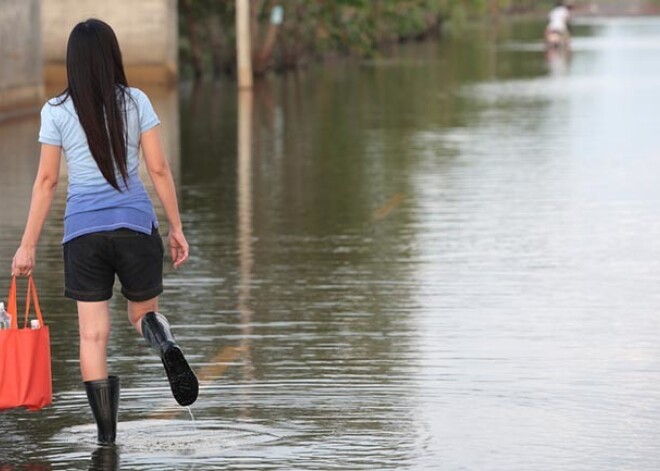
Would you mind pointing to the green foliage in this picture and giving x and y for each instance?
(318, 28)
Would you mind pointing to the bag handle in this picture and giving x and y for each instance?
(12, 307)
(32, 294)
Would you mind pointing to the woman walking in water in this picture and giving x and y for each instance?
(110, 227)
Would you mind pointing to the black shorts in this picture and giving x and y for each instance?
(92, 260)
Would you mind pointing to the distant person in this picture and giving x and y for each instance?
(110, 227)
(558, 30)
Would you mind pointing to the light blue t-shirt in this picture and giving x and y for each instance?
(92, 204)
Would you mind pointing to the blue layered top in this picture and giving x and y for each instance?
(92, 204)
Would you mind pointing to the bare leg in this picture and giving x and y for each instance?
(94, 327)
(137, 310)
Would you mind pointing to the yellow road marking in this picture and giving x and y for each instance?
(219, 364)
(389, 206)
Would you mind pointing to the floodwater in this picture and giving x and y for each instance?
(444, 258)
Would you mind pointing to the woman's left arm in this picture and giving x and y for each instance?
(43, 192)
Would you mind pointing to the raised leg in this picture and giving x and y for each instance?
(137, 310)
(155, 329)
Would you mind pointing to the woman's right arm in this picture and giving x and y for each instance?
(161, 177)
(43, 191)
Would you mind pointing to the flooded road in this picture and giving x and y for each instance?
(445, 258)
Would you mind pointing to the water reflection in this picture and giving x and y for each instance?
(104, 458)
(558, 61)
(19, 154)
(245, 229)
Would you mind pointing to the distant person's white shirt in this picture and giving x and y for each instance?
(559, 18)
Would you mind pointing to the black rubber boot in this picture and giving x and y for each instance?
(103, 397)
(183, 382)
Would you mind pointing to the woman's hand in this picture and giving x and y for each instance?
(24, 261)
(178, 247)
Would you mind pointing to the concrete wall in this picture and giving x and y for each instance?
(147, 31)
(20, 56)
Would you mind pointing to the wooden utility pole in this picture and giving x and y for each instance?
(244, 48)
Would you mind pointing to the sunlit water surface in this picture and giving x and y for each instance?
(445, 258)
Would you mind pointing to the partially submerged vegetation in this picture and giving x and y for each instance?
(316, 29)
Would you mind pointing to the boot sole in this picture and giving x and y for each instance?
(183, 381)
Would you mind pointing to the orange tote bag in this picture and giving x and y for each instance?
(25, 374)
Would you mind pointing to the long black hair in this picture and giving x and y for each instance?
(97, 85)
